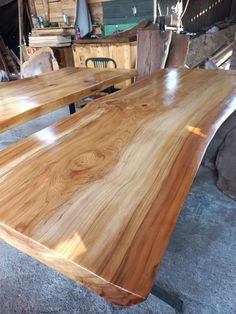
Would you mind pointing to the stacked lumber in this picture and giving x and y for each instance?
(218, 59)
(206, 45)
(53, 31)
(51, 37)
(8, 60)
(223, 55)
(49, 41)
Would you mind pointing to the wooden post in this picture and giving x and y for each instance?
(20, 20)
(233, 58)
(154, 11)
(31, 4)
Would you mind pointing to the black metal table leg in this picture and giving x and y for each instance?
(72, 108)
(168, 298)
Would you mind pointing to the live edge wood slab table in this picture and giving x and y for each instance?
(97, 196)
(23, 100)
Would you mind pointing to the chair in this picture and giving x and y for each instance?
(101, 62)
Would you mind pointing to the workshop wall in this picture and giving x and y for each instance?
(55, 9)
(200, 13)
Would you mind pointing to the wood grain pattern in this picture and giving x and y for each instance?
(23, 100)
(97, 196)
(152, 51)
(178, 51)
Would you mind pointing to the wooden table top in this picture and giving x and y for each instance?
(23, 100)
(97, 195)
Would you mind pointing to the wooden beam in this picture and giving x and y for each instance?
(20, 21)
(31, 4)
(233, 58)
(154, 11)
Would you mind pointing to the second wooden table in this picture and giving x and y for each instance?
(26, 99)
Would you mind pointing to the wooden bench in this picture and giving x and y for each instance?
(97, 196)
(23, 100)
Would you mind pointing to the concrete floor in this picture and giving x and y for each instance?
(199, 265)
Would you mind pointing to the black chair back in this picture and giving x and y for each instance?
(100, 62)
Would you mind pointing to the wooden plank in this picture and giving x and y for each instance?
(152, 51)
(233, 58)
(32, 7)
(223, 55)
(29, 98)
(97, 195)
(106, 40)
(178, 51)
(51, 31)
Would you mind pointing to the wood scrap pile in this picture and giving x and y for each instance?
(8, 60)
(210, 48)
(219, 58)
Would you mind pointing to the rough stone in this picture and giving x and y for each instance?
(226, 165)
(213, 148)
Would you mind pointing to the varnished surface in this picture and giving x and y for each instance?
(97, 196)
(23, 100)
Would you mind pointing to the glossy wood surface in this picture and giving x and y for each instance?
(23, 100)
(97, 196)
